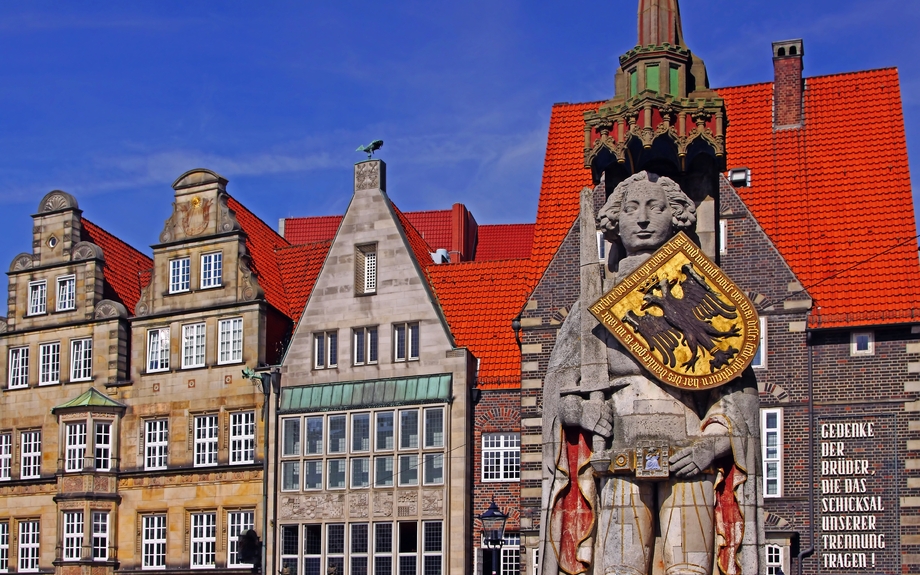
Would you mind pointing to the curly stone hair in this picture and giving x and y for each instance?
(683, 212)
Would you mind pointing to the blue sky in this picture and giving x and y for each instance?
(111, 101)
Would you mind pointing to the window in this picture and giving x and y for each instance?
(601, 247)
(774, 560)
(360, 432)
(383, 471)
(100, 536)
(760, 357)
(314, 436)
(434, 427)
(365, 345)
(156, 443)
(6, 456)
(771, 430)
(230, 340)
(405, 341)
(49, 366)
(73, 536)
(385, 430)
(158, 349)
(313, 475)
(239, 522)
(242, 437)
(408, 429)
(19, 367)
(360, 472)
(501, 456)
(75, 446)
(66, 293)
(383, 548)
(103, 443)
(211, 270)
(723, 236)
(4, 546)
(408, 547)
(290, 545)
(434, 468)
(37, 296)
(359, 548)
(179, 275)
(153, 541)
(312, 549)
(290, 475)
(81, 359)
(325, 349)
(290, 436)
(366, 269)
(433, 548)
(31, 455)
(862, 343)
(29, 535)
(206, 429)
(536, 562)
(336, 434)
(193, 345)
(204, 540)
(511, 553)
(335, 548)
(408, 470)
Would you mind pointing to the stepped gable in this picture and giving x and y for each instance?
(312, 229)
(300, 266)
(480, 299)
(261, 242)
(564, 175)
(126, 269)
(834, 195)
(504, 242)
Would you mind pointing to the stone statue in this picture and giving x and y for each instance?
(688, 502)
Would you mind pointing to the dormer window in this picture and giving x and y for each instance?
(366, 269)
(38, 293)
(211, 269)
(179, 275)
(66, 293)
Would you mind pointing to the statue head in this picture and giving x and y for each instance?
(644, 211)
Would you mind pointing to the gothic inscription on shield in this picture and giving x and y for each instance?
(682, 318)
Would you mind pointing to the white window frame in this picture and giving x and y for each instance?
(102, 445)
(434, 458)
(336, 547)
(601, 247)
(72, 544)
(291, 469)
(406, 336)
(409, 436)
(180, 275)
(74, 446)
(38, 297)
(153, 542)
(242, 437)
(340, 465)
(316, 464)
(238, 522)
(384, 533)
(501, 457)
(437, 439)
(354, 482)
(366, 269)
(49, 363)
(291, 436)
(4, 546)
(535, 561)
(432, 549)
(18, 368)
(30, 454)
(365, 345)
(230, 340)
(156, 443)
(100, 535)
(81, 359)
(157, 349)
(854, 343)
(762, 348)
(6, 456)
(377, 471)
(325, 349)
(211, 270)
(203, 540)
(359, 547)
(207, 432)
(194, 345)
(723, 236)
(29, 545)
(774, 559)
(66, 299)
(776, 457)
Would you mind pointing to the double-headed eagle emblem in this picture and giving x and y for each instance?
(682, 318)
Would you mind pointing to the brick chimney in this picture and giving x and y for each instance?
(788, 84)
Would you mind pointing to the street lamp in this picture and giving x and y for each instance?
(493, 530)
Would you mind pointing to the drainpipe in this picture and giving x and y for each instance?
(811, 453)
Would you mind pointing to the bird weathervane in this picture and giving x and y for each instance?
(370, 148)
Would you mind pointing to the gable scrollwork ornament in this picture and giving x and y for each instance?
(249, 282)
(56, 200)
(21, 262)
(86, 251)
(226, 218)
(108, 309)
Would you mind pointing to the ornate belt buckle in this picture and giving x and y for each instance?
(623, 461)
(652, 460)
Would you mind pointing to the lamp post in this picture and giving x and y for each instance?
(493, 530)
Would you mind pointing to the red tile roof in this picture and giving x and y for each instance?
(504, 242)
(126, 269)
(300, 266)
(434, 226)
(312, 229)
(420, 247)
(816, 192)
(835, 195)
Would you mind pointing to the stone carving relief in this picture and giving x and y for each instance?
(21, 262)
(358, 505)
(249, 283)
(86, 251)
(367, 176)
(56, 200)
(71, 484)
(383, 504)
(407, 505)
(432, 503)
(167, 234)
(195, 215)
(323, 506)
(108, 309)
(226, 219)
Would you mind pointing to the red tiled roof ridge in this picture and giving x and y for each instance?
(819, 77)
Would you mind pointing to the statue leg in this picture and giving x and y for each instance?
(687, 526)
(625, 534)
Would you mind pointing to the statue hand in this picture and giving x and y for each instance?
(592, 416)
(699, 456)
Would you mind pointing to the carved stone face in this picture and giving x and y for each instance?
(645, 218)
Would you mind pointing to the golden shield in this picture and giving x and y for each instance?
(682, 318)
